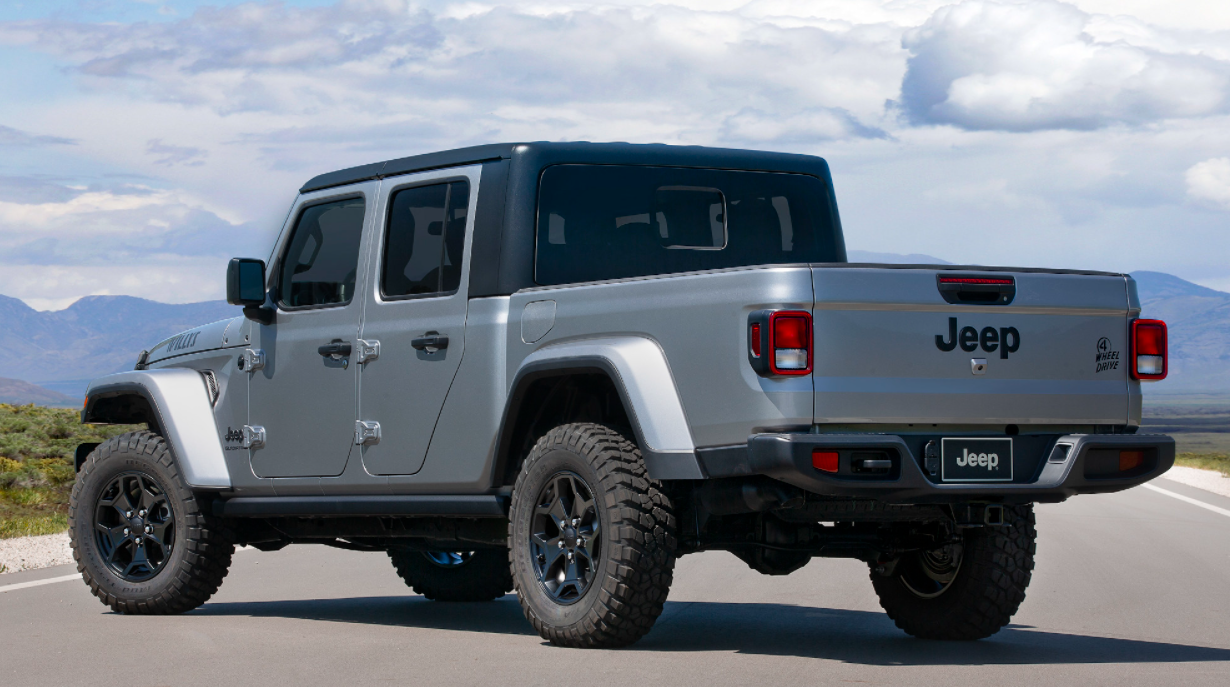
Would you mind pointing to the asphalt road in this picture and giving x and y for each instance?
(1129, 589)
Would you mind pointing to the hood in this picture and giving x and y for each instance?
(222, 334)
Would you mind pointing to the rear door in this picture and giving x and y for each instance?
(891, 348)
(416, 310)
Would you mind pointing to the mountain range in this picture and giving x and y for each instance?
(62, 351)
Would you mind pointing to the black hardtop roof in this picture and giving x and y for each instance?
(542, 153)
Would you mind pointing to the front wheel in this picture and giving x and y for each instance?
(143, 541)
(966, 590)
(592, 539)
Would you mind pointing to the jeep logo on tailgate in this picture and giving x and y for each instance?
(1005, 339)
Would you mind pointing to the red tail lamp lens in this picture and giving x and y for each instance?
(790, 331)
(756, 339)
(790, 342)
(1149, 349)
(1130, 460)
(824, 461)
(1150, 339)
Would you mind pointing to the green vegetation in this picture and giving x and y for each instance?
(36, 466)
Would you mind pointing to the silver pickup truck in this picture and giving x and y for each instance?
(557, 367)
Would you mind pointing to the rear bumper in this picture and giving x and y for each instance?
(1060, 474)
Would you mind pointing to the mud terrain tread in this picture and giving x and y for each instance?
(1000, 568)
(207, 542)
(641, 539)
(485, 577)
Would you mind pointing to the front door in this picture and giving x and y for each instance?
(305, 396)
(417, 312)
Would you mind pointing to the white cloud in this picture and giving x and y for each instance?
(17, 138)
(1020, 66)
(630, 71)
(1210, 181)
(1040, 133)
(52, 287)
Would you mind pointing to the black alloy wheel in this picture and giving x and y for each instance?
(592, 538)
(565, 538)
(927, 574)
(967, 589)
(448, 559)
(134, 526)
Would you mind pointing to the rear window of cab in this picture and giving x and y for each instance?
(600, 222)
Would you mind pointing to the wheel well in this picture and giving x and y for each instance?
(551, 399)
(127, 408)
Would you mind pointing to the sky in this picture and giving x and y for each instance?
(144, 143)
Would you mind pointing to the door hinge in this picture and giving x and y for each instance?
(251, 360)
(366, 433)
(253, 437)
(368, 350)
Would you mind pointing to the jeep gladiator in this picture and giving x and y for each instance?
(557, 367)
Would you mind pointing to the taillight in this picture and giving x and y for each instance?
(780, 342)
(825, 461)
(1148, 349)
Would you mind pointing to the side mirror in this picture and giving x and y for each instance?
(245, 285)
(245, 282)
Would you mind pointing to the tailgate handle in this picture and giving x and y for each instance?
(976, 289)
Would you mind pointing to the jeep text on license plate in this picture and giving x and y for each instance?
(976, 460)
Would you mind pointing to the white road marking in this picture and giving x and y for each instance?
(38, 583)
(1190, 500)
(74, 576)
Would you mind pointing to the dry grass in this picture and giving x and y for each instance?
(1205, 461)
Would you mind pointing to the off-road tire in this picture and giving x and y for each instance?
(484, 576)
(997, 563)
(201, 550)
(635, 560)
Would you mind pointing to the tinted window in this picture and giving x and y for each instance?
(323, 256)
(424, 239)
(610, 222)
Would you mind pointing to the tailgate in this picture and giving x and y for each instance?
(885, 350)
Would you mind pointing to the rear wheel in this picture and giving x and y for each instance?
(592, 539)
(143, 542)
(454, 575)
(965, 590)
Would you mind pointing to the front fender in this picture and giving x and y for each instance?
(640, 372)
(179, 403)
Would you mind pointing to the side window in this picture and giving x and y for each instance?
(424, 240)
(322, 258)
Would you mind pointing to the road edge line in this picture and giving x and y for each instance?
(75, 576)
(1194, 502)
(38, 583)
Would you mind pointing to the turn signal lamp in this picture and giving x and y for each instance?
(1130, 460)
(780, 342)
(1148, 349)
(824, 461)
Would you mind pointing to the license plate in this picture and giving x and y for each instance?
(976, 460)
